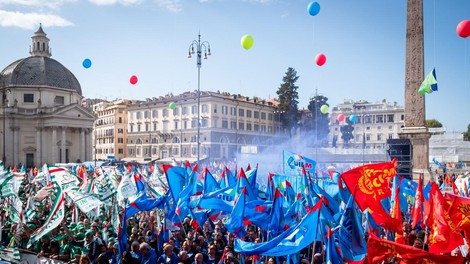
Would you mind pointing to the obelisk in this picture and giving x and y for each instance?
(415, 114)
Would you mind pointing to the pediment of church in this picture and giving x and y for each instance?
(74, 110)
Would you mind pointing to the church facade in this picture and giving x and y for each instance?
(42, 119)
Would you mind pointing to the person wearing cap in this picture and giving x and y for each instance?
(64, 252)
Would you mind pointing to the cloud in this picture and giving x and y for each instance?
(52, 4)
(113, 2)
(31, 20)
(171, 5)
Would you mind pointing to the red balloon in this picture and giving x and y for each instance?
(133, 80)
(463, 28)
(340, 117)
(320, 59)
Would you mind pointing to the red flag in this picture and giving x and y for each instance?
(396, 214)
(444, 235)
(459, 210)
(417, 212)
(373, 185)
(466, 189)
(380, 249)
(455, 189)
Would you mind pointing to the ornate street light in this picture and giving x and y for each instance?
(199, 47)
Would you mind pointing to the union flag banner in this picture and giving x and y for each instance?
(373, 185)
(379, 250)
(417, 212)
(444, 235)
(459, 211)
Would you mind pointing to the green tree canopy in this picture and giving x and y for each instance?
(433, 123)
(288, 100)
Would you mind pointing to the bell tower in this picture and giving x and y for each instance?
(40, 45)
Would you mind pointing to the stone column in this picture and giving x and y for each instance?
(53, 158)
(16, 145)
(63, 146)
(38, 157)
(82, 145)
(415, 112)
(88, 144)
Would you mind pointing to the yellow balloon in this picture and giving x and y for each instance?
(247, 42)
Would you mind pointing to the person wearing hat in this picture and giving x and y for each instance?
(43, 246)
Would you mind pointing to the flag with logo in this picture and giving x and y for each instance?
(292, 164)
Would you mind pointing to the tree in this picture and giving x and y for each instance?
(288, 100)
(347, 132)
(466, 135)
(433, 123)
(320, 121)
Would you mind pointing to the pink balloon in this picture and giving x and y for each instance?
(133, 80)
(320, 59)
(340, 117)
(463, 28)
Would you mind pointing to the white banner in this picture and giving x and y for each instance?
(83, 201)
(63, 177)
(126, 187)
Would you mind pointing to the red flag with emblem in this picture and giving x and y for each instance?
(373, 182)
(444, 235)
(417, 212)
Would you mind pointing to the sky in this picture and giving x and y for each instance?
(363, 41)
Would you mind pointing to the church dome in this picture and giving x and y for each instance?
(37, 71)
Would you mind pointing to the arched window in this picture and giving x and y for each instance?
(138, 141)
(154, 141)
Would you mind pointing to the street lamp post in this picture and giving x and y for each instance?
(200, 47)
(4, 97)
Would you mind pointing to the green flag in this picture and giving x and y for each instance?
(429, 84)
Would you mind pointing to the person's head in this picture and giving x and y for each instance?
(88, 236)
(271, 261)
(55, 246)
(199, 258)
(212, 249)
(84, 259)
(186, 245)
(229, 258)
(145, 248)
(168, 250)
(318, 258)
(418, 243)
(183, 255)
(135, 246)
(86, 222)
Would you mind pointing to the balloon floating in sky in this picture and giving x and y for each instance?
(172, 105)
(463, 28)
(340, 118)
(324, 109)
(133, 80)
(247, 42)
(313, 8)
(86, 63)
(353, 118)
(320, 59)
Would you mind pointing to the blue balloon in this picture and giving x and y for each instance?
(313, 8)
(353, 118)
(86, 63)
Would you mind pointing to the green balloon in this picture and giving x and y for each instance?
(172, 105)
(324, 109)
(247, 42)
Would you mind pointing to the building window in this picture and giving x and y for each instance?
(120, 120)
(138, 115)
(185, 124)
(224, 124)
(390, 136)
(205, 109)
(154, 126)
(120, 140)
(248, 126)
(194, 123)
(147, 127)
(214, 123)
(402, 117)
(256, 127)
(256, 114)
(379, 137)
(120, 131)
(138, 128)
(263, 115)
(147, 114)
(233, 111)
(215, 109)
(194, 109)
(176, 112)
(241, 112)
(185, 110)
(241, 126)
(28, 98)
(193, 151)
(270, 116)
(120, 151)
(379, 127)
(154, 113)
(233, 125)
(379, 119)
(367, 137)
(154, 151)
(390, 118)
(248, 113)
(390, 127)
(165, 112)
(204, 122)
(59, 100)
(165, 126)
(224, 110)
(176, 124)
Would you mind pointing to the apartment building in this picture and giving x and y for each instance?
(165, 128)
(374, 123)
(110, 129)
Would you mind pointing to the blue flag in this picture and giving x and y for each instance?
(288, 242)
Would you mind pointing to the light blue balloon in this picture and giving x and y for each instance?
(353, 118)
(86, 63)
(313, 8)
